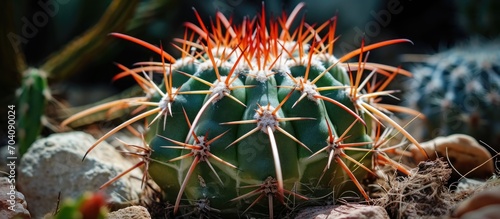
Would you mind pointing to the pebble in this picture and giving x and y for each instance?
(132, 212)
(465, 154)
(12, 202)
(349, 211)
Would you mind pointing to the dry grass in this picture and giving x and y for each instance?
(422, 194)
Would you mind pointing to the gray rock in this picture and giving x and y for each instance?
(349, 211)
(12, 202)
(132, 212)
(54, 165)
(4, 153)
(466, 185)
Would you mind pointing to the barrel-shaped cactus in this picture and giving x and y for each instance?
(256, 117)
(459, 92)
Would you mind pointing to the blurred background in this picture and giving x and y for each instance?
(38, 31)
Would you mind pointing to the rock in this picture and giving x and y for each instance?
(54, 165)
(132, 212)
(12, 202)
(484, 204)
(467, 185)
(4, 153)
(490, 211)
(350, 211)
(463, 152)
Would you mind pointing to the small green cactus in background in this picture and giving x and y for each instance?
(256, 117)
(459, 92)
(33, 97)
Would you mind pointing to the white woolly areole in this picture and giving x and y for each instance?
(265, 118)
(333, 146)
(184, 61)
(309, 89)
(241, 68)
(261, 75)
(165, 101)
(281, 66)
(304, 61)
(207, 65)
(179, 63)
(219, 87)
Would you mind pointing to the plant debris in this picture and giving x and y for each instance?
(422, 194)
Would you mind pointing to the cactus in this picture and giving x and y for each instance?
(459, 92)
(255, 117)
(33, 97)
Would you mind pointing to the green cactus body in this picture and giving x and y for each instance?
(33, 97)
(243, 139)
(459, 92)
(247, 144)
(260, 120)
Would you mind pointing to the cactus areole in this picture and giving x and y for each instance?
(258, 117)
